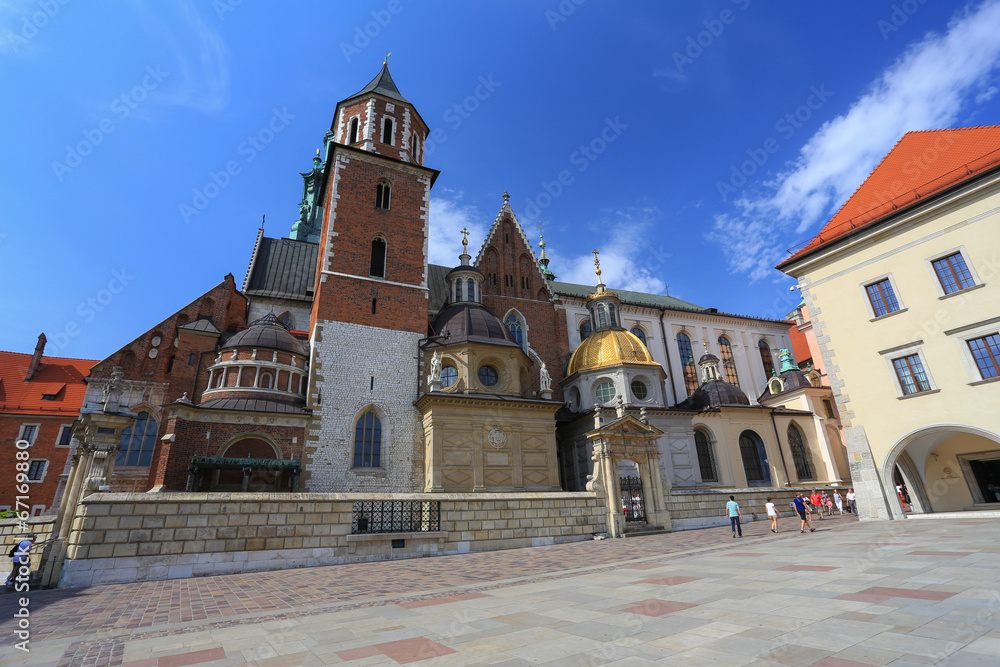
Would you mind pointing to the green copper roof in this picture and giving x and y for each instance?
(383, 85)
(634, 298)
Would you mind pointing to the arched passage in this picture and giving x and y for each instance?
(946, 468)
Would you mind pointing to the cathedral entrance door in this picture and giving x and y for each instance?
(632, 501)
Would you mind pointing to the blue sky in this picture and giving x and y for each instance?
(691, 144)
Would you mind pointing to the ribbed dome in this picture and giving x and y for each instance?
(470, 321)
(715, 393)
(267, 332)
(608, 348)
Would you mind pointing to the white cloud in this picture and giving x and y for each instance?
(926, 88)
(631, 258)
(448, 217)
(199, 73)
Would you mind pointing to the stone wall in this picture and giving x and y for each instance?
(700, 509)
(138, 537)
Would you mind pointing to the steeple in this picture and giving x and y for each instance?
(383, 85)
(543, 259)
(465, 282)
(603, 304)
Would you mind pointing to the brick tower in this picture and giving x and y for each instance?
(371, 294)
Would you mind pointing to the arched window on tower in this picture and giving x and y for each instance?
(640, 334)
(706, 457)
(728, 363)
(458, 291)
(470, 285)
(800, 454)
(585, 329)
(387, 134)
(352, 135)
(602, 316)
(368, 441)
(687, 362)
(377, 266)
(765, 357)
(613, 315)
(383, 193)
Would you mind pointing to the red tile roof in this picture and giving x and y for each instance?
(920, 165)
(800, 345)
(56, 376)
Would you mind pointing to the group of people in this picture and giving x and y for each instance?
(804, 507)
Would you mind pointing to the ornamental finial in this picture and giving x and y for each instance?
(465, 239)
(386, 60)
(506, 197)
(541, 237)
(597, 264)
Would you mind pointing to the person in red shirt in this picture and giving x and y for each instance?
(816, 500)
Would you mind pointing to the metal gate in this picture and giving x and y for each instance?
(632, 505)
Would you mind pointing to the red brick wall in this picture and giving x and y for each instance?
(360, 108)
(519, 284)
(40, 493)
(205, 439)
(357, 222)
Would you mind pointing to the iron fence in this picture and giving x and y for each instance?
(395, 516)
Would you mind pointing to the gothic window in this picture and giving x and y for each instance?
(687, 362)
(387, 128)
(706, 457)
(368, 441)
(765, 357)
(800, 454)
(377, 266)
(640, 334)
(728, 363)
(137, 442)
(286, 319)
(449, 375)
(514, 325)
(754, 457)
(585, 330)
(383, 193)
(352, 137)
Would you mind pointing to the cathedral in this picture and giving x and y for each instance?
(346, 363)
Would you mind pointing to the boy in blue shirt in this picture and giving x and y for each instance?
(801, 508)
(733, 509)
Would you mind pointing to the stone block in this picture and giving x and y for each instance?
(95, 509)
(274, 543)
(149, 549)
(213, 546)
(130, 522)
(210, 508)
(175, 522)
(236, 545)
(122, 509)
(104, 523)
(125, 550)
(139, 535)
(293, 543)
(153, 521)
(197, 521)
(255, 544)
(180, 571)
(194, 547)
(295, 519)
(218, 520)
(189, 508)
(171, 548)
(162, 534)
(267, 531)
(168, 509)
(183, 534)
(226, 533)
(257, 519)
(116, 536)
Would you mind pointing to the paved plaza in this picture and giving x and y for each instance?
(912, 592)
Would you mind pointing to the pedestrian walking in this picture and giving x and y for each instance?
(800, 507)
(816, 500)
(839, 501)
(772, 512)
(20, 558)
(851, 502)
(733, 509)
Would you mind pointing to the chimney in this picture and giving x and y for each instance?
(36, 358)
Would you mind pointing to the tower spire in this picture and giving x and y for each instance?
(465, 256)
(601, 289)
(543, 258)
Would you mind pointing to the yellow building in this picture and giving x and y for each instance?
(903, 292)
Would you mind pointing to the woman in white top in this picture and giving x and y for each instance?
(839, 502)
(772, 512)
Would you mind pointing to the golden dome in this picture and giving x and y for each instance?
(609, 348)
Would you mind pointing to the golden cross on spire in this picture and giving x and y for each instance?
(387, 54)
(465, 239)
(597, 264)
(541, 237)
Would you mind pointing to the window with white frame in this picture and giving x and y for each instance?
(881, 297)
(28, 432)
(985, 352)
(36, 469)
(910, 374)
(65, 435)
(953, 272)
